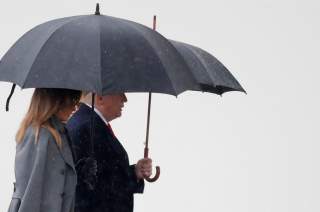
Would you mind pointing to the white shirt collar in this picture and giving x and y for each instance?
(98, 113)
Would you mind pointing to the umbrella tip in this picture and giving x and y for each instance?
(97, 9)
(154, 22)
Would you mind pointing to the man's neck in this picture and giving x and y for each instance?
(97, 111)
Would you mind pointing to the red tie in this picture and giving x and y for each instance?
(110, 128)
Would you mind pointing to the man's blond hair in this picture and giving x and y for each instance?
(86, 97)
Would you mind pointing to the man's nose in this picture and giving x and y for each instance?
(124, 98)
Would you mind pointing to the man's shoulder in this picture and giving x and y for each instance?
(78, 120)
(81, 115)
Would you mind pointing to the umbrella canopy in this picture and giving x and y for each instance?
(106, 55)
(96, 53)
(211, 75)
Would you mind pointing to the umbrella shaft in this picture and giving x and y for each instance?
(146, 149)
(148, 121)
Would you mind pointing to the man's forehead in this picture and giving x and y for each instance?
(113, 96)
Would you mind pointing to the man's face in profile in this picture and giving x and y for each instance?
(111, 105)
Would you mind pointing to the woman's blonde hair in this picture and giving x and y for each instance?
(46, 102)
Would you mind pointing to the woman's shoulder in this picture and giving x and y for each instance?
(44, 136)
(44, 132)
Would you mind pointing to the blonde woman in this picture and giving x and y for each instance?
(44, 164)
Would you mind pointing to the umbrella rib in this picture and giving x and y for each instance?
(186, 65)
(136, 29)
(44, 43)
(205, 67)
(203, 63)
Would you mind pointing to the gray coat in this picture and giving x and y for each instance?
(45, 175)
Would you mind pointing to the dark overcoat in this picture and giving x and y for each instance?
(116, 179)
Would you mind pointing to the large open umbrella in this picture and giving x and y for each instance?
(96, 53)
(107, 55)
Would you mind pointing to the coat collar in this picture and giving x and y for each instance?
(57, 124)
(97, 111)
(65, 151)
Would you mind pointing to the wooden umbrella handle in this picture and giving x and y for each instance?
(157, 175)
(155, 178)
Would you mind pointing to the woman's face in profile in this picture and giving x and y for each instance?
(65, 113)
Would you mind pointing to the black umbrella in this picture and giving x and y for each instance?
(106, 55)
(96, 53)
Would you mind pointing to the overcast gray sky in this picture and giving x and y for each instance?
(255, 152)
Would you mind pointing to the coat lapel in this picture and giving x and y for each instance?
(65, 151)
(112, 140)
(101, 129)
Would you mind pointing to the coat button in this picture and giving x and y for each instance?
(62, 171)
(62, 194)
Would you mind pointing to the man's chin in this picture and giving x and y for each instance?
(118, 114)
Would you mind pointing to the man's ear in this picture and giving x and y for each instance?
(99, 100)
